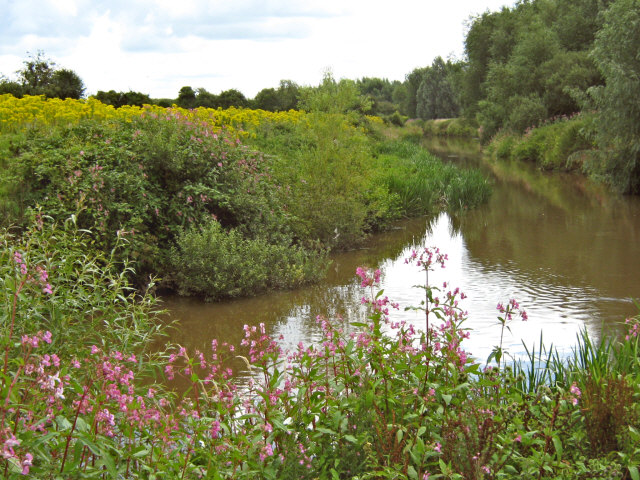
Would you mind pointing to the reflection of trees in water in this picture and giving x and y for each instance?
(546, 231)
(584, 242)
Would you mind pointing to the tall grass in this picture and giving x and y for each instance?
(423, 183)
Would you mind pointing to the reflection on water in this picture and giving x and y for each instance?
(565, 249)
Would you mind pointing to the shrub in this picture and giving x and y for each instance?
(420, 182)
(215, 263)
(148, 179)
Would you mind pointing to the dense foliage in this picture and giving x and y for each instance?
(618, 103)
(220, 202)
(374, 400)
(39, 76)
(530, 62)
(550, 59)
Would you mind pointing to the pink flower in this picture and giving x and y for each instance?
(26, 463)
(575, 390)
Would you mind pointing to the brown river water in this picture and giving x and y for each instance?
(564, 248)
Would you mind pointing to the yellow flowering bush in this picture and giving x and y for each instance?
(18, 113)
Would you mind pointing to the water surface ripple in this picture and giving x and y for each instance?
(563, 247)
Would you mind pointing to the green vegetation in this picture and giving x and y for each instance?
(546, 60)
(617, 101)
(213, 262)
(80, 395)
(39, 76)
(452, 127)
(216, 217)
(564, 144)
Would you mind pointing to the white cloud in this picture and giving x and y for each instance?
(159, 46)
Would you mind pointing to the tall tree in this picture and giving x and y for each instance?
(39, 76)
(288, 95)
(36, 74)
(412, 82)
(436, 97)
(267, 99)
(615, 52)
(232, 98)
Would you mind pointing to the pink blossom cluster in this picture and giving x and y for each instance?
(39, 277)
(428, 257)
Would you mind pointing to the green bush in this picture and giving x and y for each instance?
(396, 119)
(214, 263)
(420, 183)
(147, 179)
(551, 146)
(66, 286)
(524, 113)
(454, 127)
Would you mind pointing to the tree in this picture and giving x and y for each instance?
(36, 74)
(118, 99)
(232, 98)
(333, 97)
(288, 95)
(267, 99)
(412, 82)
(206, 99)
(39, 76)
(186, 97)
(379, 91)
(436, 97)
(11, 87)
(615, 52)
(65, 83)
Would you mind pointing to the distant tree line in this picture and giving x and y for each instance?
(523, 65)
(40, 76)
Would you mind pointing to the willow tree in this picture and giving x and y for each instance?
(615, 52)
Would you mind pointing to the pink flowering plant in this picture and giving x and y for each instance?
(149, 184)
(83, 396)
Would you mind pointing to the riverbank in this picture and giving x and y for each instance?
(563, 144)
(577, 271)
(383, 401)
(218, 203)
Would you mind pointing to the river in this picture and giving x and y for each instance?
(564, 248)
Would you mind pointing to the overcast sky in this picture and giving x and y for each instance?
(158, 46)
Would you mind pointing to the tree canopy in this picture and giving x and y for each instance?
(39, 76)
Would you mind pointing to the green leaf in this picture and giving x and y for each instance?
(558, 444)
(63, 423)
(633, 471)
(350, 438)
(412, 472)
